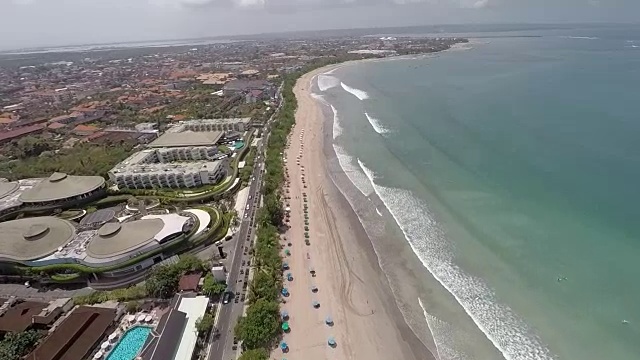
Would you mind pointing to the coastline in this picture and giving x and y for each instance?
(353, 289)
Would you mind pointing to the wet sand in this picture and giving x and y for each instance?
(352, 289)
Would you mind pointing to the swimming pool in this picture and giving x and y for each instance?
(130, 343)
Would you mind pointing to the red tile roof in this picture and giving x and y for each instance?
(8, 135)
(189, 282)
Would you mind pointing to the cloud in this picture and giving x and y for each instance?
(23, 2)
(481, 4)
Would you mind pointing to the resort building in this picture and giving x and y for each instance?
(77, 335)
(172, 167)
(232, 124)
(115, 249)
(175, 336)
(178, 136)
(57, 191)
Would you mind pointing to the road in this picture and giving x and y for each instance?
(222, 347)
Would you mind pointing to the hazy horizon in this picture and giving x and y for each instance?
(53, 23)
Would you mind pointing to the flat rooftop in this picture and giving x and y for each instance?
(76, 335)
(33, 238)
(187, 138)
(60, 186)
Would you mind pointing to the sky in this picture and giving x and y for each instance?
(33, 23)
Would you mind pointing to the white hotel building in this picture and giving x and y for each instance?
(170, 167)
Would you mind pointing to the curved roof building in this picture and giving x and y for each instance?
(116, 239)
(8, 188)
(61, 187)
(33, 238)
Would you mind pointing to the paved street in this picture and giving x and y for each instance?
(222, 347)
(23, 292)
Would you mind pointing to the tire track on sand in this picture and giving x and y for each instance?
(337, 248)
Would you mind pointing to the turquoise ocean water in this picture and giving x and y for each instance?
(512, 168)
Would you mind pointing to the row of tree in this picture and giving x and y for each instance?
(260, 328)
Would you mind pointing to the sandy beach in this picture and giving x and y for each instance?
(351, 288)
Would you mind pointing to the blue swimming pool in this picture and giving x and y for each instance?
(130, 343)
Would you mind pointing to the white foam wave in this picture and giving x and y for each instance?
(378, 211)
(376, 124)
(443, 337)
(354, 174)
(337, 128)
(360, 94)
(581, 37)
(320, 98)
(509, 334)
(326, 82)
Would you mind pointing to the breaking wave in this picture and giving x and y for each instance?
(509, 334)
(443, 335)
(354, 174)
(376, 124)
(326, 82)
(360, 94)
(337, 128)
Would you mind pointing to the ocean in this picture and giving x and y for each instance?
(510, 169)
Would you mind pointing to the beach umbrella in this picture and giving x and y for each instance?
(285, 292)
(331, 341)
(306, 222)
(285, 326)
(311, 269)
(285, 266)
(287, 252)
(289, 277)
(98, 355)
(306, 228)
(328, 320)
(141, 317)
(284, 314)
(283, 346)
(316, 304)
(148, 318)
(105, 345)
(314, 288)
(113, 336)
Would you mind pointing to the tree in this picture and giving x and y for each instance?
(211, 287)
(204, 324)
(255, 354)
(163, 282)
(189, 262)
(132, 306)
(261, 326)
(16, 345)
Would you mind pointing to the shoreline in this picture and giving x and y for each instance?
(423, 309)
(368, 322)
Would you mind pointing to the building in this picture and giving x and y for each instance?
(182, 138)
(171, 175)
(57, 191)
(47, 241)
(173, 167)
(176, 335)
(218, 273)
(240, 86)
(62, 190)
(77, 335)
(7, 136)
(231, 124)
